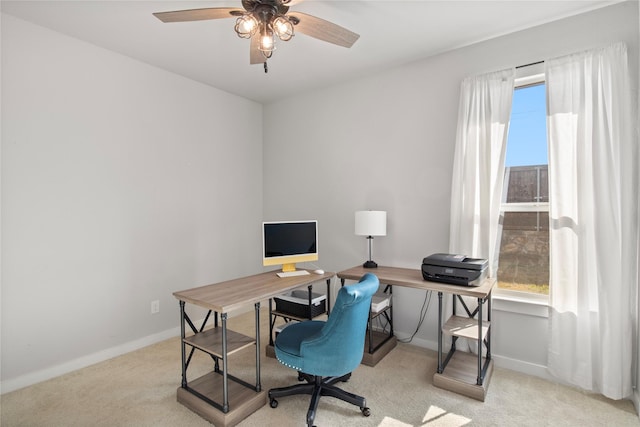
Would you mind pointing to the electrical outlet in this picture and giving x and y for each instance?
(155, 306)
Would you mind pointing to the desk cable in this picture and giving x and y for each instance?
(423, 314)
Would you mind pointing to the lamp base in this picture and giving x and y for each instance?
(370, 264)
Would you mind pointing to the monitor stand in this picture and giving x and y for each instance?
(289, 267)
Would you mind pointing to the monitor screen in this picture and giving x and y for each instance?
(289, 242)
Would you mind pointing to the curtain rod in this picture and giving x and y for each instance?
(528, 65)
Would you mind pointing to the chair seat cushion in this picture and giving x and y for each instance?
(332, 348)
(287, 345)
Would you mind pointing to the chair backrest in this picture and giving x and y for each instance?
(341, 339)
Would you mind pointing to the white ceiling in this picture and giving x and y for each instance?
(391, 33)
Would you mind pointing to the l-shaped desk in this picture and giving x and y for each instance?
(225, 400)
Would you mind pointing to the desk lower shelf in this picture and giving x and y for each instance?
(210, 341)
(243, 401)
(461, 374)
(465, 327)
(385, 342)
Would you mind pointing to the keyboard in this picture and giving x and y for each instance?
(292, 273)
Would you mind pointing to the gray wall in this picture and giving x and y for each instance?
(386, 142)
(121, 184)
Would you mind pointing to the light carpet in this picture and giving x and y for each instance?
(139, 389)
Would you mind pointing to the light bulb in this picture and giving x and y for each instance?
(246, 26)
(266, 42)
(283, 28)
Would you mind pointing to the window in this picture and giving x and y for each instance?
(524, 242)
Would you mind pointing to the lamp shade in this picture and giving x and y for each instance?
(371, 223)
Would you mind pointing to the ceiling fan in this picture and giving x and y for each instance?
(264, 20)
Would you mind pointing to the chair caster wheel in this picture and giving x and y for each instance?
(366, 411)
(274, 403)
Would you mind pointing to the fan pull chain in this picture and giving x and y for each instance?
(266, 69)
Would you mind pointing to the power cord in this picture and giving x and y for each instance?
(423, 313)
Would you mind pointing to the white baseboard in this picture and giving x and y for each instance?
(418, 342)
(31, 378)
(498, 360)
(523, 367)
(84, 361)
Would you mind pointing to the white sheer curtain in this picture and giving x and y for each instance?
(593, 202)
(478, 169)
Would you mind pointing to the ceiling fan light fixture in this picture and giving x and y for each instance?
(283, 28)
(262, 20)
(267, 41)
(246, 26)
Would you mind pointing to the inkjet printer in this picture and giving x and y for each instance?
(454, 269)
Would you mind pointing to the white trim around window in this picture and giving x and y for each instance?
(520, 302)
(525, 207)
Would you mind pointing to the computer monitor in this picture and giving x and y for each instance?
(289, 242)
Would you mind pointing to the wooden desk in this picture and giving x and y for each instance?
(461, 376)
(218, 396)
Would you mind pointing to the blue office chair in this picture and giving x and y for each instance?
(324, 353)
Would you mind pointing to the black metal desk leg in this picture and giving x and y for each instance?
(271, 322)
(370, 332)
(489, 331)
(258, 385)
(479, 378)
(328, 297)
(225, 379)
(183, 346)
(440, 332)
(390, 287)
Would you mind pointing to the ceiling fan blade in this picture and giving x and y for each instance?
(198, 14)
(323, 30)
(255, 55)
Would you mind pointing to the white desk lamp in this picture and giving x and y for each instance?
(371, 223)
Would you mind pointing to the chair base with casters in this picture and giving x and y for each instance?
(318, 386)
(325, 353)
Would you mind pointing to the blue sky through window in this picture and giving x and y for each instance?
(527, 140)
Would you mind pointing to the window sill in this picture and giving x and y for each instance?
(520, 302)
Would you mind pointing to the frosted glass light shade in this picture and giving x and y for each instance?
(371, 223)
